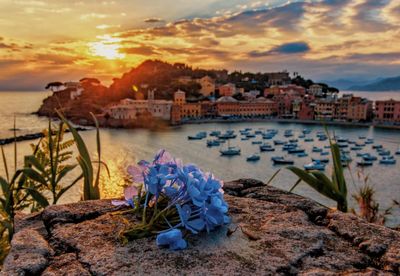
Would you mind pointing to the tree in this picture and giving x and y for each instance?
(54, 85)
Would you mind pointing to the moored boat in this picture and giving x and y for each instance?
(253, 157)
(387, 160)
(280, 160)
(315, 165)
(230, 151)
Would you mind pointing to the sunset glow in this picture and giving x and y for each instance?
(322, 39)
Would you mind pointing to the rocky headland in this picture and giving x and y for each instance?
(272, 232)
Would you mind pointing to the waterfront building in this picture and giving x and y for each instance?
(325, 109)
(207, 86)
(129, 109)
(227, 90)
(190, 110)
(387, 111)
(208, 109)
(359, 109)
(228, 106)
(306, 111)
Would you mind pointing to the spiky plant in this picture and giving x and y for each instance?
(335, 187)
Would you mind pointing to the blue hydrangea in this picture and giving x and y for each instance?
(196, 195)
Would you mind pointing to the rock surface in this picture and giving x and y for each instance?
(273, 232)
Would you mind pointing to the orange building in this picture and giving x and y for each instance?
(387, 111)
(227, 106)
(359, 109)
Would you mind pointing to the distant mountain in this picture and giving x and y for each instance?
(388, 84)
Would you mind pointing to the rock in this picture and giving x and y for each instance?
(272, 232)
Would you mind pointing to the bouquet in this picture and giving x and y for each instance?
(173, 199)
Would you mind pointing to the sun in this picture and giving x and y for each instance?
(108, 47)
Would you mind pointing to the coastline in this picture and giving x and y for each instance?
(295, 121)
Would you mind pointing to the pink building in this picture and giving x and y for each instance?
(387, 111)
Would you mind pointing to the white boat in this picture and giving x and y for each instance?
(315, 165)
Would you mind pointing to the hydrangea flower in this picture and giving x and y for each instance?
(172, 239)
(130, 193)
(197, 197)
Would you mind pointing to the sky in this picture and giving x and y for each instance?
(65, 40)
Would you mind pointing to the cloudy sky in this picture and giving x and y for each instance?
(43, 40)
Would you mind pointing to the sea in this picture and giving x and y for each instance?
(122, 147)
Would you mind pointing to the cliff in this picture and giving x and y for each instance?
(273, 232)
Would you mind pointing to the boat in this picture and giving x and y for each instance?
(293, 140)
(198, 136)
(369, 157)
(306, 131)
(358, 144)
(296, 150)
(244, 138)
(363, 163)
(356, 148)
(215, 133)
(369, 141)
(302, 154)
(397, 151)
(309, 140)
(257, 132)
(250, 135)
(268, 136)
(289, 146)
(227, 135)
(316, 149)
(213, 143)
(327, 147)
(384, 152)
(344, 151)
(266, 147)
(315, 165)
(351, 142)
(322, 160)
(362, 137)
(254, 157)
(324, 153)
(230, 151)
(279, 160)
(387, 160)
(256, 142)
(342, 145)
(377, 146)
(288, 133)
(341, 140)
(279, 142)
(345, 160)
(322, 138)
(302, 136)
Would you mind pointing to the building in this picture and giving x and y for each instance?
(227, 90)
(325, 110)
(359, 110)
(306, 111)
(278, 78)
(185, 79)
(387, 111)
(228, 106)
(207, 86)
(129, 109)
(316, 90)
(179, 97)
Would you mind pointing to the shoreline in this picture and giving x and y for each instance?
(32, 136)
(292, 121)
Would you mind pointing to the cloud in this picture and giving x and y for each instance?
(287, 48)
(141, 50)
(154, 20)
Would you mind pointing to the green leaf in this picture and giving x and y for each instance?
(31, 160)
(5, 186)
(34, 175)
(38, 197)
